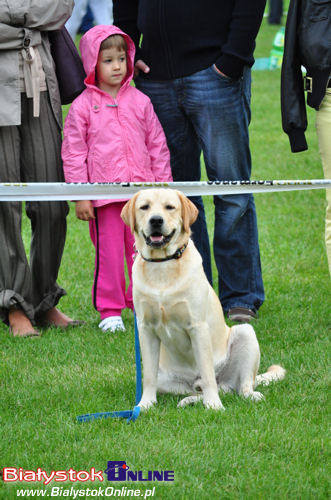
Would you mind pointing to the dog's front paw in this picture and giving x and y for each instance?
(214, 404)
(146, 404)
(254, 396)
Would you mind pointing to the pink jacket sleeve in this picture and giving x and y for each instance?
(157, 146)
(74, 145)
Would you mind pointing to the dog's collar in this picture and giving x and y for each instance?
(176, 255)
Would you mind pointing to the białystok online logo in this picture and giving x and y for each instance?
(119, 471)
(116, 471)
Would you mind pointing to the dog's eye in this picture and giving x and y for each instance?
(170, 207)
(144, 207)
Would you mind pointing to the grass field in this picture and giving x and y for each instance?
(276, 449)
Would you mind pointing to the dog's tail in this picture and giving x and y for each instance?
(274, 373)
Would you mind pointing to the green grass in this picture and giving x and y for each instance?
(276, 449)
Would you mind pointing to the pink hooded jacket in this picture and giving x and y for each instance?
(108, 140)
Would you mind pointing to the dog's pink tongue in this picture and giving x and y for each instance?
(156, 239)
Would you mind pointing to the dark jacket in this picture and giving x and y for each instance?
(181, 37)
(308, 44)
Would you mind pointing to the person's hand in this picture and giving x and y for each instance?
(84, 210)
(220, 72)
(140, 66)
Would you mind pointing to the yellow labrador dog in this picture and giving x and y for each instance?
(186, 346)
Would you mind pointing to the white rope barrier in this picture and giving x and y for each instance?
(40, 191)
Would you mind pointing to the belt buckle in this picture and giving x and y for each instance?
(308, 84)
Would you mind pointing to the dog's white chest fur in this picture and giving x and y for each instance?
(169, 319)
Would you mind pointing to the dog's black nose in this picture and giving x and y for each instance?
(156, 221)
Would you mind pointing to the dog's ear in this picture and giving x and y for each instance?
(189, 212)
(128, 213)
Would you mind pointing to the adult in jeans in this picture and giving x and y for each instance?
(102, 11)
(194, 63)
(30, 151)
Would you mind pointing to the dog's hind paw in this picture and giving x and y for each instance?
(189, 400)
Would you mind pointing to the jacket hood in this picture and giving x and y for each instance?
(89, 47)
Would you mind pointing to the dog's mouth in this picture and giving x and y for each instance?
(157, 239)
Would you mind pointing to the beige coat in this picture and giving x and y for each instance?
(27, 22)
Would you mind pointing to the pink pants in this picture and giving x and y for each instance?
(112, 240)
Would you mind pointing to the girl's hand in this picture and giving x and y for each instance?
(84, 210)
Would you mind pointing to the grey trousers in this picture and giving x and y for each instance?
(31, 152)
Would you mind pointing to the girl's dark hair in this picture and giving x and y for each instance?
(114, 41)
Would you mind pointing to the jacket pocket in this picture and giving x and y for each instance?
(101, 170)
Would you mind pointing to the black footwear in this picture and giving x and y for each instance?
(241, 314)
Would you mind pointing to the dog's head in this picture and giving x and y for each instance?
(160, 219)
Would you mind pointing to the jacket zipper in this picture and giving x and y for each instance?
(123, 135)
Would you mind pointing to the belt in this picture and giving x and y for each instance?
(308, 83)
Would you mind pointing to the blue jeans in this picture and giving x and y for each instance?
(211, 113)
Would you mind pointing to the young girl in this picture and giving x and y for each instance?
(111, 134)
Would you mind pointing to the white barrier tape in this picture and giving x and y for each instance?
(39, 191)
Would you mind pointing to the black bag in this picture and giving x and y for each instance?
(68, 65)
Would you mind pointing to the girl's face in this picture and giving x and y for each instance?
(111, 70)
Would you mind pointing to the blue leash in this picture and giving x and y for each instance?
(130, 415)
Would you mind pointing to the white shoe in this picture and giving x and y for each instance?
(111, 324)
